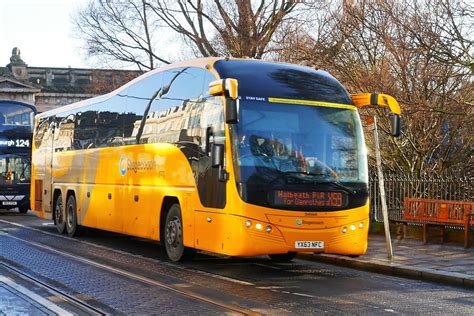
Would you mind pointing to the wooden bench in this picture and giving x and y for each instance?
(441, 213)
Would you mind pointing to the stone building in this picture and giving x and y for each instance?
(49, 87)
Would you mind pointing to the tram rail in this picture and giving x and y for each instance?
(183, 292)
(58, 294)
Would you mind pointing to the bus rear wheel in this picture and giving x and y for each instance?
(59, 215)
(173, 236)
(283, 257)
(72, 228)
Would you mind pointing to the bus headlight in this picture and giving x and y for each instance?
(258, 226)
(268, 228)
(248, 223)
(352, 227)
(344, 229)
(361, 225)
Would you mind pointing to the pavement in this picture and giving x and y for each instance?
(441, 263)
(447, 263)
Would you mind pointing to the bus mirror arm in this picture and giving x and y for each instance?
(384, 100)
(229, 89)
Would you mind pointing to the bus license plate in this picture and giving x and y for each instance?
(309, 244)
(9, 203)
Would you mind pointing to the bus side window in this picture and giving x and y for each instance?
(110, 122)
(86, 128)
(135, 99)
(213, 114)
(174, 117)
(64, 135)
(41, 129)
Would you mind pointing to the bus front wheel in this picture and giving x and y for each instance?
(173, 236)
(59, 215)
(23, 209)
(72, 228)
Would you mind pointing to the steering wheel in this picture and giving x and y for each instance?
(324, 166)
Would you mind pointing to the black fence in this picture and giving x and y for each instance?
(397, 187)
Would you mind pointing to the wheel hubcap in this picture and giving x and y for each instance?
(173, 232)
(59, 213)
(70, 214)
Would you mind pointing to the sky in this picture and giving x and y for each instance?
(43, 30)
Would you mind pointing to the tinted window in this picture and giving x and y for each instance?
(170, 114)
(41, 129)
(64, 131)
(278, 80)
(110, 119)
(15, 115)
(85, 136)
(136, 99)
(14, 169)
(211, 115)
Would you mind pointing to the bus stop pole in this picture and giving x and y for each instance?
(383, 200)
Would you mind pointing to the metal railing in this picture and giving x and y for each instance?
(397, 187)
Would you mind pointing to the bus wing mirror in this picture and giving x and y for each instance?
(217, 155)
(209, 134)
(231, 111)
(385, 100)
(229, 88)
(395, 125)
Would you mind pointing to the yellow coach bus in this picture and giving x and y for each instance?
(237, 157)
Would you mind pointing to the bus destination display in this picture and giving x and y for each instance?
(312, 198)
(15, 143)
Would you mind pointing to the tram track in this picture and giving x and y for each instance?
(298, 288)
(233, 309)
(176, 266)
(58, 294)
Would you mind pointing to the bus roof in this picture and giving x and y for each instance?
(265, 79)
(199, 62)
(276, 73)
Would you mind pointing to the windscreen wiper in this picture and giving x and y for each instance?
(325, 176)
(342, 186)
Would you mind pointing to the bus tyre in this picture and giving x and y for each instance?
(23, 209)
(173, 236)
(73, 229)
(59, 215)
(283, 257)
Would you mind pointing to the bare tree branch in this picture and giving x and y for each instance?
(119, 30)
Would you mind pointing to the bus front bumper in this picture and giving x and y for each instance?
(9, 201)
(347, 238)
(235, 235)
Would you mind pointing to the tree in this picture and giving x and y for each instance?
(127, 30)
(450, 25)
(103, 81)
(240, 28)
(374, 46)
(119, 31)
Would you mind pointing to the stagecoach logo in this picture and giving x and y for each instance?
(126, 164)
(299, 222)
(123, 165)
